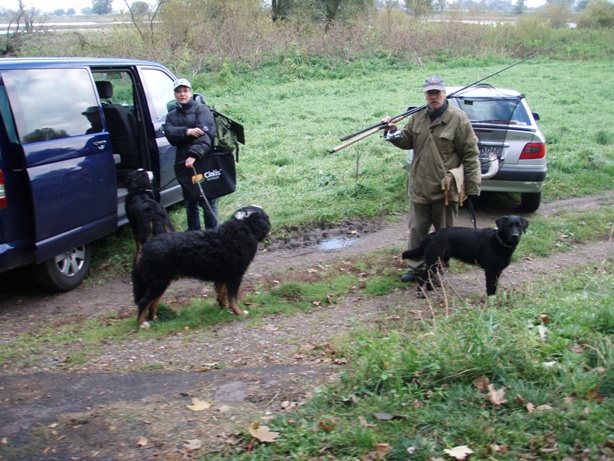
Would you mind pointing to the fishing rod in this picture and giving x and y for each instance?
(368, 131)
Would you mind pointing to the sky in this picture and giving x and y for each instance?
(51, 5)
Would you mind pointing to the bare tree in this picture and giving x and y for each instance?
(21, 24)
(143, 16)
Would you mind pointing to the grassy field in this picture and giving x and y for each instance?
(291, 124)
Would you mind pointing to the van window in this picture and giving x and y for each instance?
(50, 103)
(160, 87)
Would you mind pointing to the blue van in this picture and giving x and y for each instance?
(71, 129)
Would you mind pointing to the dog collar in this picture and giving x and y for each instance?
(506, 245)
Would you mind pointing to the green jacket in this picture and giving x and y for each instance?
(457, 143)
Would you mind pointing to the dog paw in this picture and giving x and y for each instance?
(145, 325)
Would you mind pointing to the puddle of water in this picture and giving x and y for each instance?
(335, 243)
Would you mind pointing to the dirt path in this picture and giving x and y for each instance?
(110, 409)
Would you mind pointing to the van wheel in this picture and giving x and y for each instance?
(65, 271)
(530, 201)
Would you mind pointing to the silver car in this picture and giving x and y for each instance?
(512, 147)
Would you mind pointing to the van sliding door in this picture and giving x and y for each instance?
(68, 157)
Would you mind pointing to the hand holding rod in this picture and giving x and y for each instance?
(366, 132)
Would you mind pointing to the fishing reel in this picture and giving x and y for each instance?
(489, 165)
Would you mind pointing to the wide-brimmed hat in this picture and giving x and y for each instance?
(434, 83)
(91, 110)
(181, 82)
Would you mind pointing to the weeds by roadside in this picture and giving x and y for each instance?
(530, 377)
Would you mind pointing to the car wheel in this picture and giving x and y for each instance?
(530, 201)
(65, 271)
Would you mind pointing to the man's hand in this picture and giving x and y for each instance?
(390, 126)
(189, 162)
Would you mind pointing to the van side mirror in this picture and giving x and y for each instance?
(535, 116)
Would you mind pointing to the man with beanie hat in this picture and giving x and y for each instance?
(439, 133)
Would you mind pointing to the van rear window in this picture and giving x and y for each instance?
(50, 103)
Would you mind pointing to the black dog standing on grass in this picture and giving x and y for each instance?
(146, 216)
(220, 255)
(491, 249)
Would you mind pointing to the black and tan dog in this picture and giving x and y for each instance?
(490, 249)
(220, 255)
(147, 217)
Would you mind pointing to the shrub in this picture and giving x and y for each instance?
(598, 14)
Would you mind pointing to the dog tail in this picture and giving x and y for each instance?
(162, 227)
(415, 253)
(138, 286)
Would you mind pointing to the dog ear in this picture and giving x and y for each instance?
(246, 212)
(525, 224)
(500, 221)
(242, 214)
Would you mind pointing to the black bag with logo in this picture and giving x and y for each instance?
(219, 175)
(215, 174)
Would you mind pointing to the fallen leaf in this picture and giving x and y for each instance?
(382, 416)
(481, 384)
(223, 408)
(233, 440)
(262, 433)
(543, 408)
(461, 452)
(496, 448)
(325, 426)
(530, 407)
(142, 442)
(383, 448)
(593, 395)
(199, 405)
(544, 318)
(496, 397)
(193, 445)
(576, 348)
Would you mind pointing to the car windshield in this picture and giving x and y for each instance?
(493, 110)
